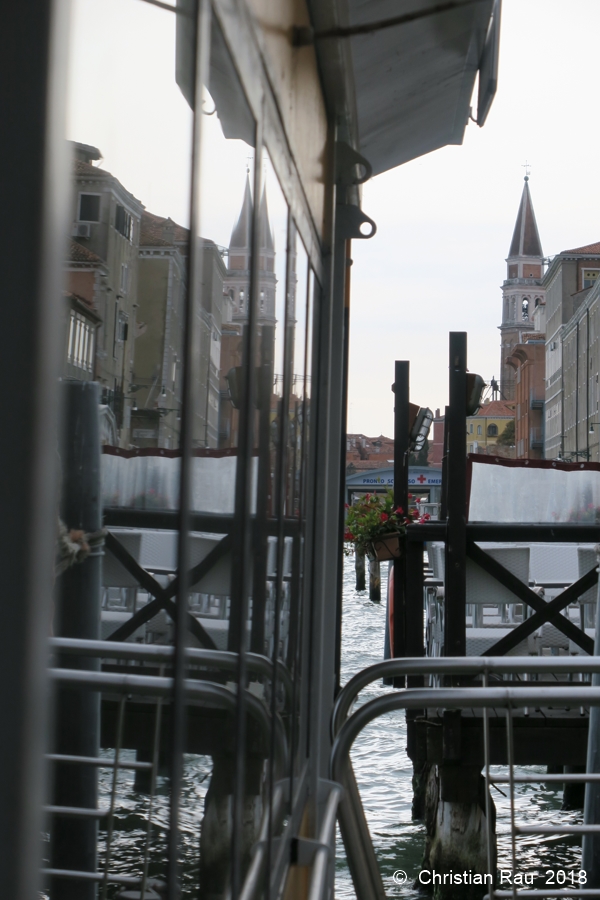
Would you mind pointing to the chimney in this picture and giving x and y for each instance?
(168, 231)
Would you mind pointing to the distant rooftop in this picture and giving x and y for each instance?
(589, 249)
(497, 408)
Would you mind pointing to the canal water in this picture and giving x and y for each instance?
(383, 773)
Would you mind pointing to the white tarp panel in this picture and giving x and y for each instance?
(152, 482)
(532, 493)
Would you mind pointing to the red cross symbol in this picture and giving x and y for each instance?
(421, 479)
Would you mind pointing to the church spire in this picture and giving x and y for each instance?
(526, 240)
(522, 291)
(242, 231)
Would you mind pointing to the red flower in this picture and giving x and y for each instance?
(348, 536)
(410, 496)
(384, 517)
(399, 511)
(346, 506)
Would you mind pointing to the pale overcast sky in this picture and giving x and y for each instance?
(445, 221)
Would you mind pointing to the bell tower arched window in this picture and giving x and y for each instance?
(525, 308)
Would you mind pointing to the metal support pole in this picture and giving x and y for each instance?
(414, 606)
(374, 581)
(444, 497)
(74, 841)
(590, 857)
(35, 201)
(359, 567)
(401, 444)
(456, 543)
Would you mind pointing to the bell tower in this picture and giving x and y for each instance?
(521, 291)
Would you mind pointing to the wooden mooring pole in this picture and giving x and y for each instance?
(359, 568)
(375, 580)
(74, 840)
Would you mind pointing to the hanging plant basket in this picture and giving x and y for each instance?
(388, 546)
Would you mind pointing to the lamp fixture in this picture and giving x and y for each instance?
(591, 424)
(475, 386)
(421, 421)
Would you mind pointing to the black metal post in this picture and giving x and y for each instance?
(35, 202)
(456, 542)
(74, 841)
(415, 645)
(401, 444)
(444, 503)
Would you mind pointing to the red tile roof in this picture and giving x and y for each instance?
(497, 408)
(588, 249)
(154, 228)
(81, 168)
(79, 253)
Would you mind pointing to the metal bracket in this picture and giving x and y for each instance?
(350, 219)
(346, 161)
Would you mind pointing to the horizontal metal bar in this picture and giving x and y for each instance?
(557, 829)
(78, 875)
(452, 698)
(201, 692)
(545, 892)
(457, 665)
(551, 779)
(99, 761)
(77, 812)
(167, 520)
(509, 532)
(217, 659)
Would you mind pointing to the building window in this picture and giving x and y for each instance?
(525, 308)
(471, 428)
(492, 430)
(123, 222)
(479, 429)
(80, 348)
(470, 448)
(590, 276)
(89, 207)
(124, 278)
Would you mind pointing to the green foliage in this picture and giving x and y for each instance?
(373, 516)
(507, 438)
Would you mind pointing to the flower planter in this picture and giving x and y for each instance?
(389, 546)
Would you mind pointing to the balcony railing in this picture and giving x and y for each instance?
(536, 438)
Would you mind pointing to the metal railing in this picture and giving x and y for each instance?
(130, 684)
(362, 862)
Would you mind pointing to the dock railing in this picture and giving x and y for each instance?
(513, 696)
(131, 685)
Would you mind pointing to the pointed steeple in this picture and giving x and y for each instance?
(242, 231)
(266, 236)
(526, 240)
